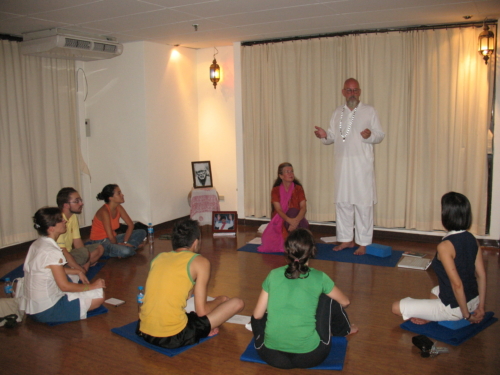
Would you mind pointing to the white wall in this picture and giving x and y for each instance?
(142, 108)
(217, 137)
(172, 123)
(116, 109)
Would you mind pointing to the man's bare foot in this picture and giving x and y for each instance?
(213, 332)
(354, 329)
(140, 247)
(343, 245)
(361, 250)
(419, 321)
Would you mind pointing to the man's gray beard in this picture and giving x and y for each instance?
(352, 103)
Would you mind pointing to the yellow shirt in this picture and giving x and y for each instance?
(167, 290)
(72, 232)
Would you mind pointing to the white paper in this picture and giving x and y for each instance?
(223, 234)
(256, 241)
(115, 301)
(237, 319)
(415, 263)
(262, 228)
(329, 239)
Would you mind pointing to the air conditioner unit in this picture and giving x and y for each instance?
(66, 44)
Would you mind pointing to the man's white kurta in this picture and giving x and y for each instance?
(354, 176)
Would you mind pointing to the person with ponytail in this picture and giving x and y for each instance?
(107, 220)
(288, 210)
(49, 296)
(298, 310)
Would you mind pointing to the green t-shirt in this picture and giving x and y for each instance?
(291, 310)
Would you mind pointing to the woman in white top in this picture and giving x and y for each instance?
(48, 293)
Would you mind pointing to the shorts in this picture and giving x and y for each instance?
(63, 311)
(197, 328)
(82, 254)
(433, 309)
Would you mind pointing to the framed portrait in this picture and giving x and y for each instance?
(202, 174)
(224, 221)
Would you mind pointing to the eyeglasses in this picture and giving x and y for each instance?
(352, 91)
(76, 201)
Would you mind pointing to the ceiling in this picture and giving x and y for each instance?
(222, 22)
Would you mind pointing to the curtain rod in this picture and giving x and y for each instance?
(372, 31)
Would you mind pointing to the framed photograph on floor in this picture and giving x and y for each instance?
(202, 174)
(224, 222)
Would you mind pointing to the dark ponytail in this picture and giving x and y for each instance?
(107, 192)
(299, 248)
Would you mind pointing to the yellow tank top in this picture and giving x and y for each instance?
(167, 289)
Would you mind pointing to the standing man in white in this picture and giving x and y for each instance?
(354, 128)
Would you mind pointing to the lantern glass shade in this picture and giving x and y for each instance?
(214, 73)
(486, 43)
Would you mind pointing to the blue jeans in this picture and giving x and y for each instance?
(122, 251)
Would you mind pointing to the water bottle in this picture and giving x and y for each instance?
(140, 297)
(151, 233)
(8, 288)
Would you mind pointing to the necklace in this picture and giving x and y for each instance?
(350, 123)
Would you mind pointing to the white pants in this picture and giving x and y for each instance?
(433, 309)
(350, 216)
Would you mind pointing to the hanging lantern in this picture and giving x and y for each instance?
(215, 71)
(486, 44)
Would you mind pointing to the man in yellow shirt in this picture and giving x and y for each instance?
(172, 279)
(77, 255)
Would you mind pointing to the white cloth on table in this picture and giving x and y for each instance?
(203, 203)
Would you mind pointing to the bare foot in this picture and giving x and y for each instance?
(343, 245)
(361, 250)
(140, 247)
(354, 329)
(419, 321)
(213, 332)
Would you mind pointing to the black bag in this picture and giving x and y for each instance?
(424, 344)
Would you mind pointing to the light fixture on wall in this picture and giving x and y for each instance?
(215, 71)
(486, 41)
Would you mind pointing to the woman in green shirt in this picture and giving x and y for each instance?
(304, 308)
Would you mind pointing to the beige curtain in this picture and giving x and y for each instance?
(38, 138)
(290, 87)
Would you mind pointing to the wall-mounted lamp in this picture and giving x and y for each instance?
(215, 71)
(486, 44)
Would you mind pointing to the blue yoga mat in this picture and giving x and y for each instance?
(100, 310)
(447, 335)
(19, 272)
(128, 331)
(325, 252)
(334, 361)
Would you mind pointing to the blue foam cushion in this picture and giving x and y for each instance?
(325, 252)
(450, 336)
(128, 331)
(454, 324)
(379, 250)
(334, 361)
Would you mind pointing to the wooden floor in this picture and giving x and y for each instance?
(380, 347)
